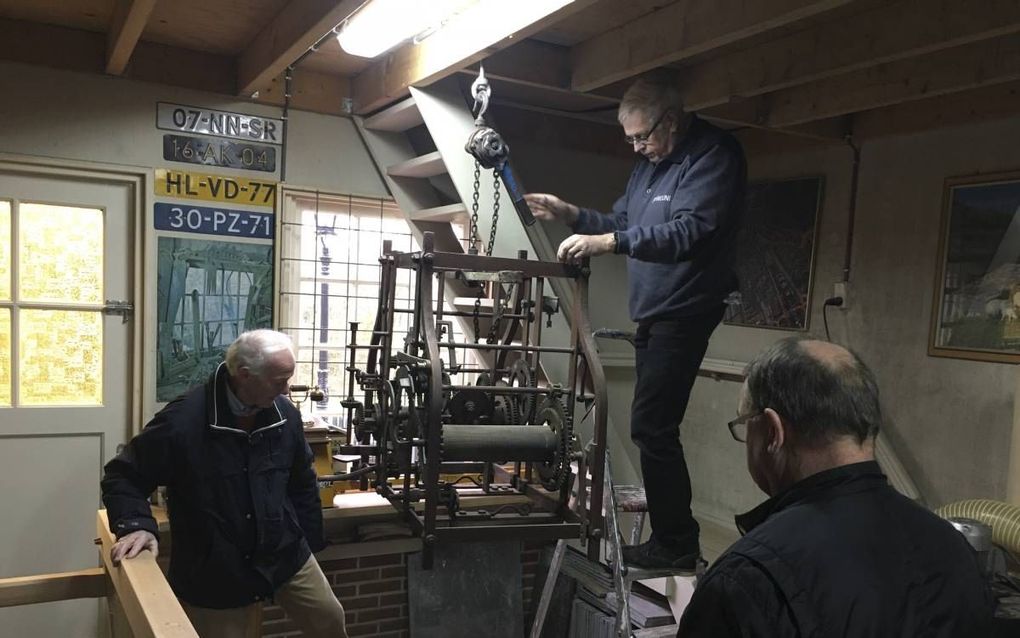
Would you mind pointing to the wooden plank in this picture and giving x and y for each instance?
(151, 608)
(428, 165)
(298, 26)
(959, 69)
(970, 107)
(76, 50)
(900, 30)
(129, 18)
(450, 49)
(44, 588)
(309, 91)
(681, 30)
(401, 116)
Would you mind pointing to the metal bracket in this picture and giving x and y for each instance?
(123, 308)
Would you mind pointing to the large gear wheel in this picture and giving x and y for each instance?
(505, 410)
(521, 376)
(551, 414)
(470, 407)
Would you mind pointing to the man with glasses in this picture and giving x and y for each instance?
(835, 551)
(677, 224)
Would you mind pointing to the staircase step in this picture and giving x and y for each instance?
(657, 632)
(428, 165)
(401, 116)
(631, 498)
(446, 213)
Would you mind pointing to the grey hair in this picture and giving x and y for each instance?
(252, 348)
(651, 95)
(821, 399)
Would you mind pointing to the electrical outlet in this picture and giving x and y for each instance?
(842, 289)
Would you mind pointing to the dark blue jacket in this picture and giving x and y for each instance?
(244, 507)
(677, 223)
(842, 554)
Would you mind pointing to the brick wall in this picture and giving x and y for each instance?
(373, 591)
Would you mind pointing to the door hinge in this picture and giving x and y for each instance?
(119, 307)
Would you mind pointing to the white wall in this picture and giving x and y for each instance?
(72, 118)
(94, 118)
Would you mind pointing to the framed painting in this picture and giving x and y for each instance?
(776, 255)
(976, 313)
(208, 293)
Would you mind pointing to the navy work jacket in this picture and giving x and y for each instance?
(677, 223)
(244, 505)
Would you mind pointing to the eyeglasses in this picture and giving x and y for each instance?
(642, 139)
(738, 426)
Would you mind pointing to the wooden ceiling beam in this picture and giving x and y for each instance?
(963, 68)
(900, 30)
(85, 51)
(970, 107)
(126, 25)
(438, 55)
(295, 29)
(681, 30)
(529, 62)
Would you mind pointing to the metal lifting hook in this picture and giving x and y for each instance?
(480, 90)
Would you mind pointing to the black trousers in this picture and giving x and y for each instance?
(668, 355)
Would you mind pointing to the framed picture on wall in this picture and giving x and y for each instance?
(776, 255)
(976, 312)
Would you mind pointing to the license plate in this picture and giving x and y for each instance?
(192, 119)
(219, 152)
(213, 221)
(214, 188)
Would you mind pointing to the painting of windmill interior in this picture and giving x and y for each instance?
(977, 296)
(775, 254)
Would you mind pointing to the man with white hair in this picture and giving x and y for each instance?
(677, 224)
(242, 496)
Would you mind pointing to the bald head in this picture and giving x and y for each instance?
(823, 390)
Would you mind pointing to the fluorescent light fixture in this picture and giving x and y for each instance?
(380, 25)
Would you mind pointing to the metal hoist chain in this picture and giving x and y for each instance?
(473, 225)
(497, 313)
(495, 212)
(474, 240)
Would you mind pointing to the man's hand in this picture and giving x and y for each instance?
(577, 247)
(130, 545)
(551, 208)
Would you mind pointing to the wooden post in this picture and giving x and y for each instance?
(149, 604)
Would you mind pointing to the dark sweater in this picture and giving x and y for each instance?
(677, 223)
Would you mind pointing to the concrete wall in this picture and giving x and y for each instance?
(948, 420)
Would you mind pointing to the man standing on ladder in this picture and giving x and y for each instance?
(677, 223)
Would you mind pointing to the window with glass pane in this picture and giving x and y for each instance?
(53, 305)
(329, 277)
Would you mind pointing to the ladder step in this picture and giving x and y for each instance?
(402, 116)
(428, 165)
(631, 498)
(447, 213)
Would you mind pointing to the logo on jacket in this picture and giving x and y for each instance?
(661, 198)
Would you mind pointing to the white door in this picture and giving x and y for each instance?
(65, 379)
